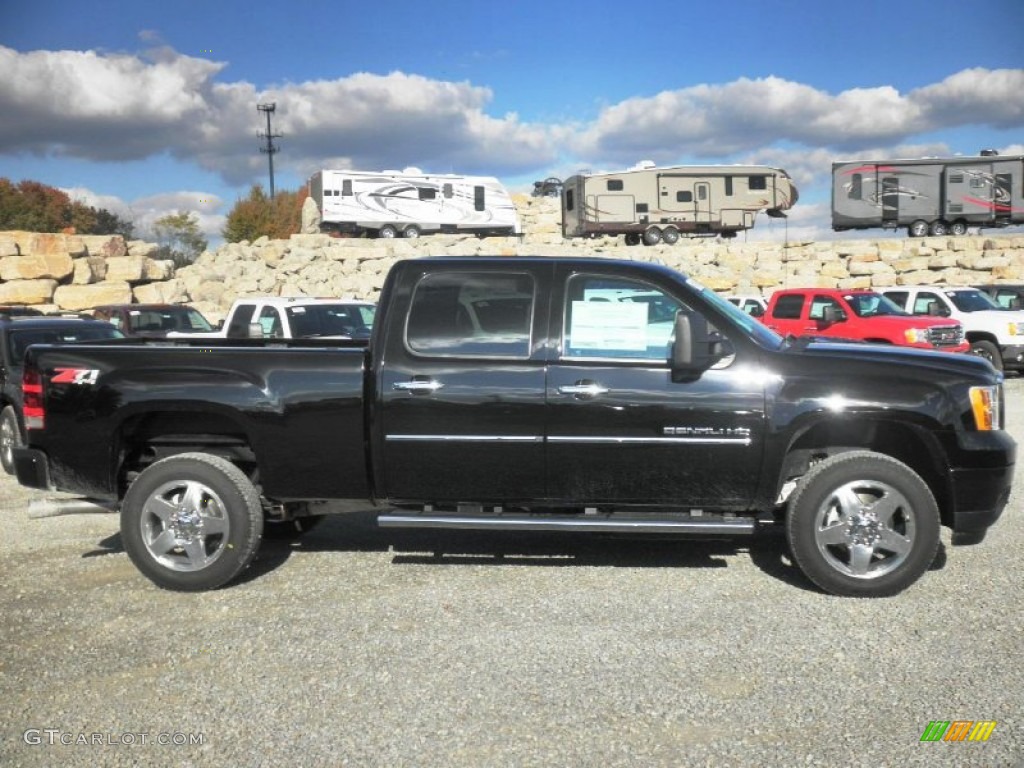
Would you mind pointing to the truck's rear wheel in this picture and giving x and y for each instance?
(10, 438)
(862, 524)
(989, 351)
(191, 522)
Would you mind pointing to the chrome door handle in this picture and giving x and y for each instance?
(418, 386)
(583, 389)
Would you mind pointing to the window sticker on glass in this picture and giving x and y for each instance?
(603, 326)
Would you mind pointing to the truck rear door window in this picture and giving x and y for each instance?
(607, 317)
(472, 315)
(788, 307)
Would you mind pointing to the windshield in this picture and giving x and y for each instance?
(972, 300)
(20, 339)
(761, 333)
(872, 305)
(352, 320)
(165, 319)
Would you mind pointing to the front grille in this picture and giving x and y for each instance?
(946, 335)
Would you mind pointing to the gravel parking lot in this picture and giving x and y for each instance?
(368, 647)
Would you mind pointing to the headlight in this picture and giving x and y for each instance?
(985, 403)
(916, 335)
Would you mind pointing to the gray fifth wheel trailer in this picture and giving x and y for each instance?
(929, 196)
(406, 204)
(652, 205)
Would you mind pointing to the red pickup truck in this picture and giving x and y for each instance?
(859, 315)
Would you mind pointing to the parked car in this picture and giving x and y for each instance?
(16, 334)
(1006, 295)
(752, 304)
(18, 310)
(994, 333)
(858, 316)
(153, 320)
(295, 317)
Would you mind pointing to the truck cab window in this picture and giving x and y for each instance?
(471, 315)
(616, 318)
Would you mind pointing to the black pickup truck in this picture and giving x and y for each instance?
(529, 394)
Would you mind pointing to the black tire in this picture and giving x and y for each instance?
(411, 231)
(670, 235)
(958, 228)
(918, 228)
(387, 232)
(836, 508)
(191, 522)
(652, 236)
(937, 228)
(632, 238)
(989, 351)
(10, 438)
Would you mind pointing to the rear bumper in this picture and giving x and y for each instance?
(32, 468)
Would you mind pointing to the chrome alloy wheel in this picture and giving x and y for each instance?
(865, 529)
(184, 525)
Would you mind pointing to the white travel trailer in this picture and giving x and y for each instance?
(392, 203)
(652, 205)
(929, 196)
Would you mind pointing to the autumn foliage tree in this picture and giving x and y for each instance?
(36, 207)
(258, 216)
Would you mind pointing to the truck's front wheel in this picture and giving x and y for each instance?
(989, 351)
(191, 522)
(862, 524)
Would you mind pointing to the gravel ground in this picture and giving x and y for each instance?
(380, 648)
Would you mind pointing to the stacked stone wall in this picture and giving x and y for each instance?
(76, 272)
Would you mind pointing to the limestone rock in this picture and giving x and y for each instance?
(77, 297)
(37, 264)
(27, 291)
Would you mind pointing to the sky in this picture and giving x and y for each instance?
(147, 108)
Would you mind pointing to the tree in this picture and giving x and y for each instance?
(179, 237)
(36, 207)
(258, 215)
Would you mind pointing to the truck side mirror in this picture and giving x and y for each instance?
(1016, 303)
(255, 331)
(833, 315)
(935, 309)
(697, 346)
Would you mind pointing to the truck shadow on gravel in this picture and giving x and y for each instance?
(358, 532)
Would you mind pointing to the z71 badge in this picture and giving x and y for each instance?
(87, 376)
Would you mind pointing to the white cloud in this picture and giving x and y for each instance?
(143, 212)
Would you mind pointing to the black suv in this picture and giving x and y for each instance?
(16, 334)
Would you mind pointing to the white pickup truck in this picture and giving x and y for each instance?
(298, 317)
(994, 332)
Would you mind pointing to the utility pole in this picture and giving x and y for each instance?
(270, 150)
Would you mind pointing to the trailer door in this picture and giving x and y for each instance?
(890, 200)
(702, 195)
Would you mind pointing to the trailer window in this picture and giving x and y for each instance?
(478, 199)
(684, 197)
(728, 186)
(346, 188)
(570, 203)
(758, 182)
(447, 191)
(856, 187)
(615, 185)
(427, 193)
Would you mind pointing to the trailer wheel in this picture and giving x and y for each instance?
(632, 238)
(652, 236)
(937, 228)
(387, 231)
(670, 235)
(191, 522)
(958, 228)
(411, 231)
(918, 228)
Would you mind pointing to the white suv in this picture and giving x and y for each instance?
(995, 333)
